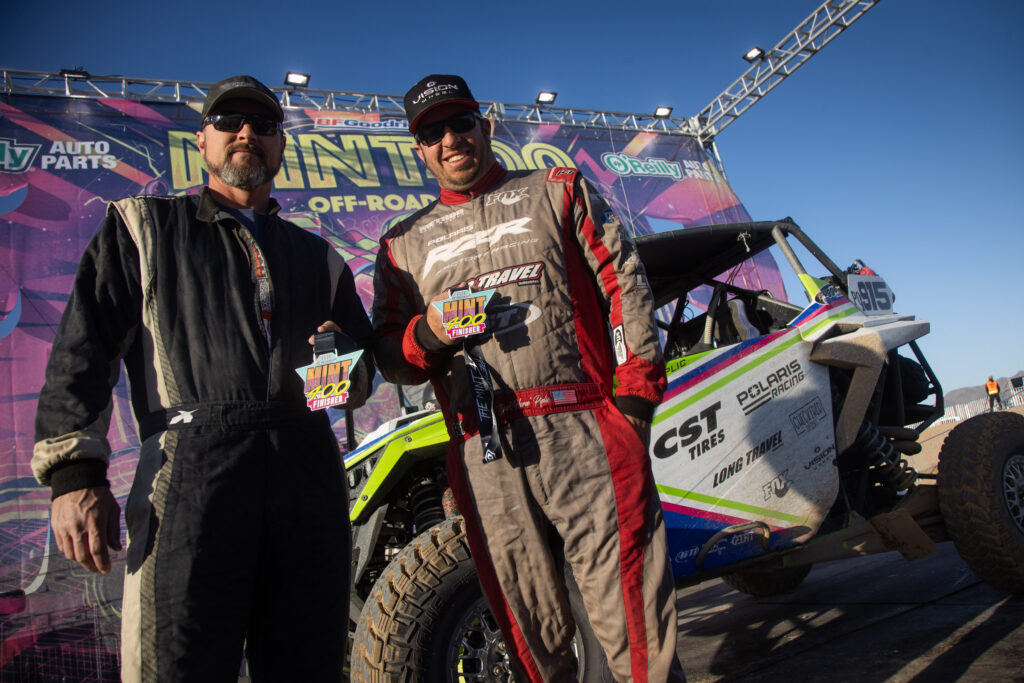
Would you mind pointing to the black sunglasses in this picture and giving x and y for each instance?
(232, 123)
(459, 123)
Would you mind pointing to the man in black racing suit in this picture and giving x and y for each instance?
(238, 515)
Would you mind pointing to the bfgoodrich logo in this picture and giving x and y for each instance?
(397, 125)
(15, 158)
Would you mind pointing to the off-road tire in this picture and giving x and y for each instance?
(981, 493)
(765, 583)
(423, 596)
(407, 600)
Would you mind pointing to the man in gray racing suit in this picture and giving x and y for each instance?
(238, 514)
(543, 452)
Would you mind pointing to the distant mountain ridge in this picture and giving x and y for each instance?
(968, 394)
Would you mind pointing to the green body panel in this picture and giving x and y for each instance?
(424, 439)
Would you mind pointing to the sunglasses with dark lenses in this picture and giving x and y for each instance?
(232, 123)
(460, 123)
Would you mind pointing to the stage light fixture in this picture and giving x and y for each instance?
(753, 54)
(296, 80)
(76, 72)
(546, 97)
(662, 112)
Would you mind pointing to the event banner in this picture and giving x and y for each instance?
(346, 177)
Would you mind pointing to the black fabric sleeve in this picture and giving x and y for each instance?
(427, 340)
(348, 312)
(634, 406)
(96, 329)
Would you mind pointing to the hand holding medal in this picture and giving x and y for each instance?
(326, 382)
(462, 313)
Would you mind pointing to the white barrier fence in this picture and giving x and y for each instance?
(961, 411)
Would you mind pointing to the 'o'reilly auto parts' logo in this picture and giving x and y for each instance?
(775, 384)
(623, 165)
(15, 158)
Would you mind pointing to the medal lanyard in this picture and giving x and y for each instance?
(483, 395)
(261, 278)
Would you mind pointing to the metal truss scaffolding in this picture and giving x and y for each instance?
(71, 83)
(806, 40)
(766, 72)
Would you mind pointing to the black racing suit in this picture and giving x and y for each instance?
(238, 514)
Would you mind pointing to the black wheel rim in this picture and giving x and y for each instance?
(477, 651)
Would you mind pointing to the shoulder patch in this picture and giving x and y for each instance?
(562, 175)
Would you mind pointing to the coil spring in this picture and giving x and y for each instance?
(891, 469)
(425, 504)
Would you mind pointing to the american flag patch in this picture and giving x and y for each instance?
(563, 397)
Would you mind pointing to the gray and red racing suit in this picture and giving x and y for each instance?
(238, 513)
(571, 310)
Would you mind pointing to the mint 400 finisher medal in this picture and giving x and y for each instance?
(326, 380)
(463, 312)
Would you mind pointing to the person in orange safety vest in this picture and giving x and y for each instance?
(993, 393)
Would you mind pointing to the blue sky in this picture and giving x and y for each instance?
(900, 143)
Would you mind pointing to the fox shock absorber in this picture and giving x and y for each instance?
(425, 504)
(879, 452)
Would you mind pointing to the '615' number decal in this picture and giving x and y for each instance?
(870, 294)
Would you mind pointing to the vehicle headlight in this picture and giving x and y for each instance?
(359, 473)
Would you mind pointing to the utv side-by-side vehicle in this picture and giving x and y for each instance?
(786, 437)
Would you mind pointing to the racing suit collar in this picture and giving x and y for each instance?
(209, 208)
(485, 184)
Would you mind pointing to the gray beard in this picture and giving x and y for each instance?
(243, 177)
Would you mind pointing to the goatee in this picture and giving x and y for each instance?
(244, 176)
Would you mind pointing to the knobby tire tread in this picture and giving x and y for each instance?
(971, 501)
(387, 644)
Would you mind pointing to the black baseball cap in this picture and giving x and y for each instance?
(242, 88)
(435, 90)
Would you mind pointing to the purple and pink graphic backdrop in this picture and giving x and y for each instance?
(346, 176)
